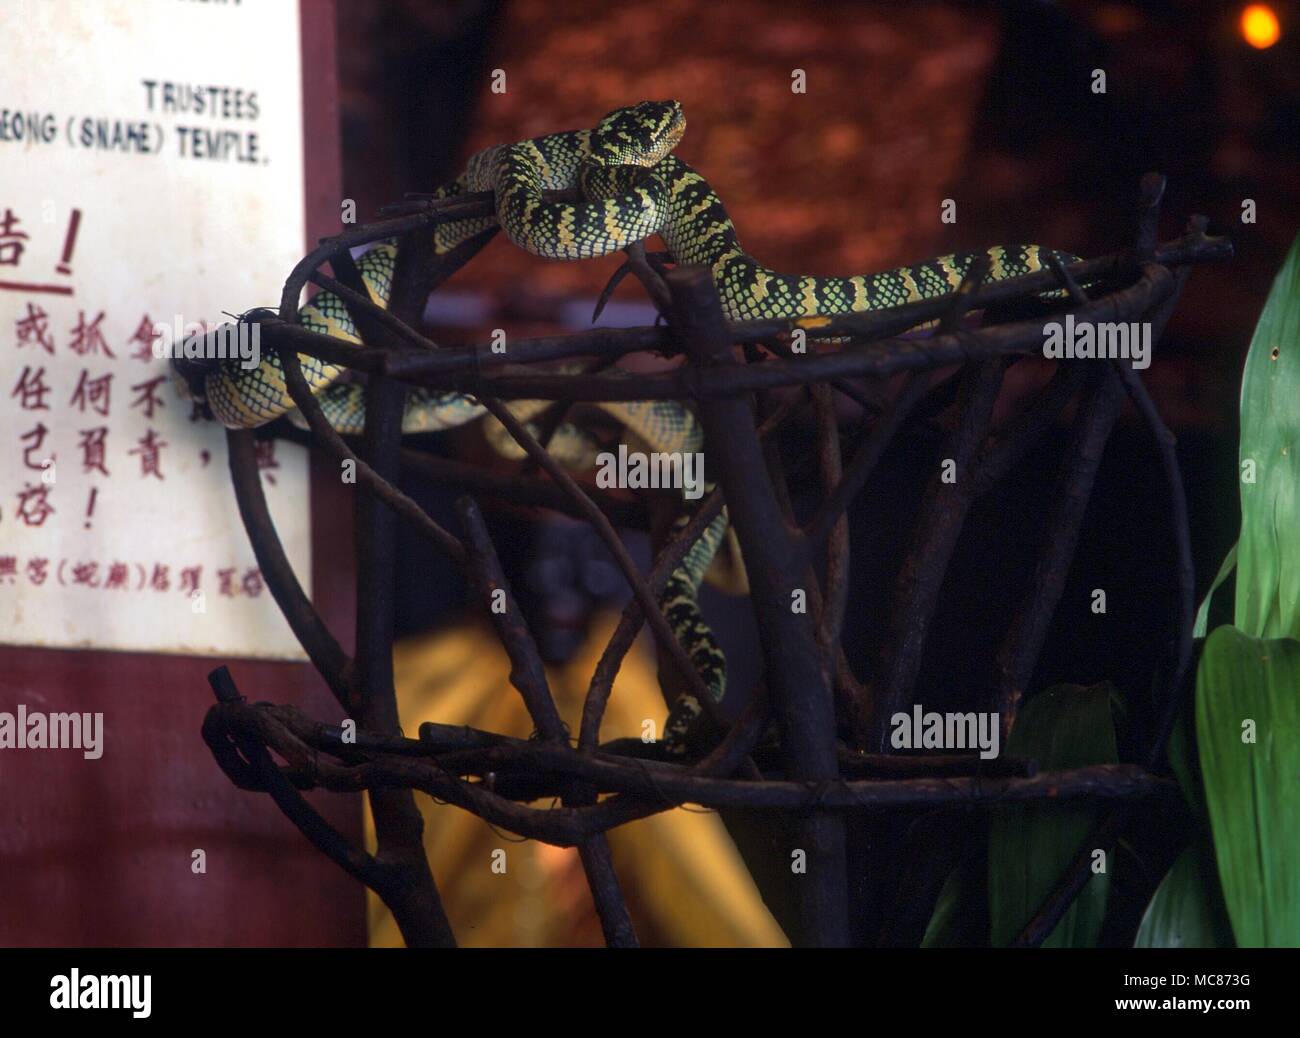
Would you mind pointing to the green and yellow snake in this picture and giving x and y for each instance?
(634, 187)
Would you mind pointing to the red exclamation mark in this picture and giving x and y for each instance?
(90, 505)
(69, 242)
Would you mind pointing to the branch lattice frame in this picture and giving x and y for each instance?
(833, 761)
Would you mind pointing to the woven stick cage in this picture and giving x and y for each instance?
(833, 768)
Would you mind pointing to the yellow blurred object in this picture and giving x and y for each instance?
(683, 879)
(1259, 26)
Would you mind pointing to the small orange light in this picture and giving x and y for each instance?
(1259, 26)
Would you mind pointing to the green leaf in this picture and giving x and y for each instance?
(954, 922)
(1250, 687)
(1186, 910)
(1203, 613)
(1181, 751)
(1268, 550)
(1030, 846)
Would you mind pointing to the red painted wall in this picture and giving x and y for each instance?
(98, 852)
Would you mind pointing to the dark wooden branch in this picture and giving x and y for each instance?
(865, 460)
(1180, 650)
(1008, 446)
(835, 584)
(651, 786)
(440, 368)
(633, 616)
(658, 623)
(1174, 674)
(365, 473)
(800, 695)
(943, 513)
(493, 593)
(322, 648)
(1024, 641)
(601, 787)
(399, 828)
(882, 359)
(464, 207)
(359, 303)
(257, 764)
(459, 743)
(528, 675)
(1111, 824)
(513, 488)
(414, 365)
(1195, 246)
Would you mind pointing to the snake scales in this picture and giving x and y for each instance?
(634, 187)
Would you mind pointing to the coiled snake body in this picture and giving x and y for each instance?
(634, 187)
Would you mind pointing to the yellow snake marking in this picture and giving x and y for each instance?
(698, 208)
(808, 289)
(713, 231)
(720, 264)
(951, 274)
(564, 233)
(612, 229)
(913, 292)
(684, 182)
(542, 164)
(997, 269)
(859, 284)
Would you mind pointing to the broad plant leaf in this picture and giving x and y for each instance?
(1268, 550)
(1251, 787)
(1030, 846)
(1202, 625)
(957, 916)
(1181, 752)
(1186, 910)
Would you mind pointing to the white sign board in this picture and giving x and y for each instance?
(151, 172)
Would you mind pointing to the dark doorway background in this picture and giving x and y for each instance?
(988, 103)
(1044, 159)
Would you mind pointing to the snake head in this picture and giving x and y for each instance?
(195, 358)
(638, 135)
(257, 315)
